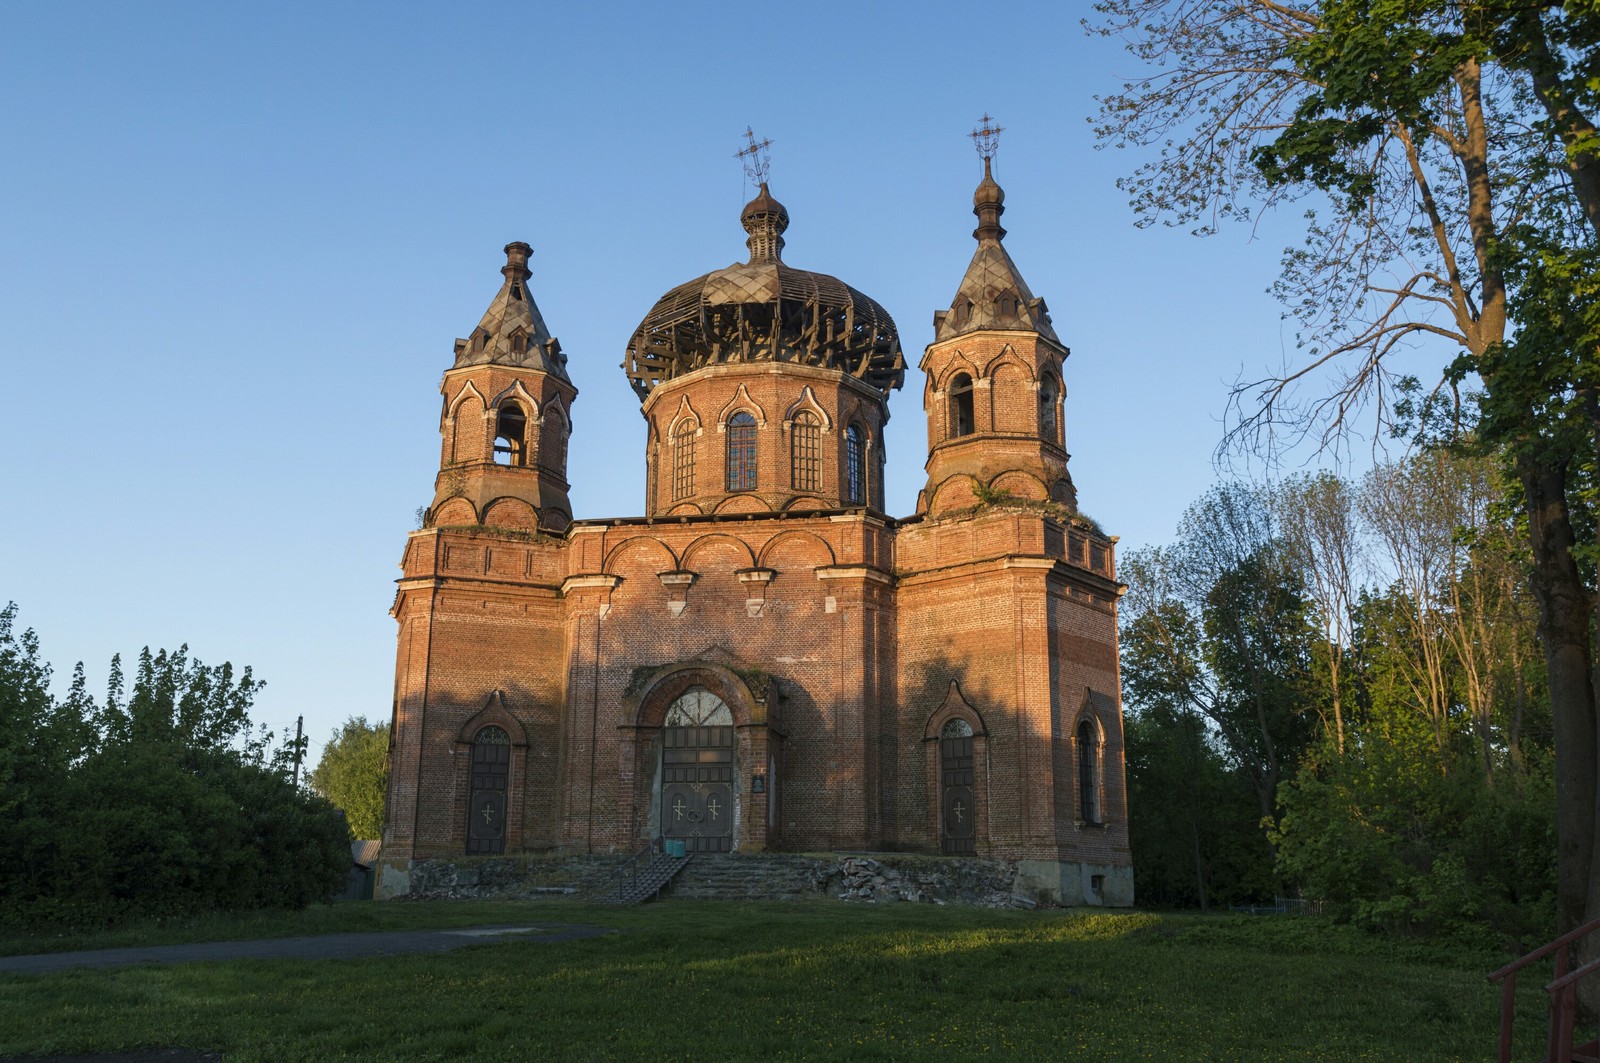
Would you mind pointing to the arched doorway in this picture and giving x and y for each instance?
(958, 809)
(486, 805)
(697, 772)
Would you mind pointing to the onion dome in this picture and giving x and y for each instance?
(765, 311)
(992, 294)
(512, 331)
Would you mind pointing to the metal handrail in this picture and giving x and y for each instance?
(631, 864)
(1563, 993)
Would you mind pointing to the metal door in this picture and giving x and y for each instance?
(958, 836)
(697, 787)
(486, 807)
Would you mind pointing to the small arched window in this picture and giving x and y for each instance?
(1049, 409)
(741, 452)
(1088, 773)
(805, 453)
(956, 728)
(683, 461)
(855, 461)
(961, 405)
(510, 434)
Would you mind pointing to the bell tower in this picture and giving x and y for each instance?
(506, 417)
(994, 386)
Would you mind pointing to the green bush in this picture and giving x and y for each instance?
(159, 803)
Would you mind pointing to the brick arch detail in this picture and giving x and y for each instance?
(784, 538)
(684, 412)
(454, 510)
(468, 391)
(1034, 488)
(1008, 356)
(958, 363)
(649, 707)
(741, 402)
(516, 392)
(953, 492)
(668, 561)
(954, 707)
(743, 503)
(701, 543)
(494, 714)
(510, 512)
(807, 403)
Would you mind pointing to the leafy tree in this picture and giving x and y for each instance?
(1453, 169)
(1216, 626)
(1193, 819)
(354, 774)
(160, 802)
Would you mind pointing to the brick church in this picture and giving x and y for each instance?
(766, 660)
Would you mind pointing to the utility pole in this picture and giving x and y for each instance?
(299, 746)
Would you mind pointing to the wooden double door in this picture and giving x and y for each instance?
(697, 782)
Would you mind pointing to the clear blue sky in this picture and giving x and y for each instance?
(237, 243)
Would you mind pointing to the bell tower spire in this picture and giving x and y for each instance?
(994, 393)
(506, 417)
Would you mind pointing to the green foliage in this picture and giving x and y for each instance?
(1417, 791)
(1192, 818)
(161, 802)
(1388, 847)
(354, 774)
(1217, 649)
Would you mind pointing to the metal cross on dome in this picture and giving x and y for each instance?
(754, 157)
(986, 138)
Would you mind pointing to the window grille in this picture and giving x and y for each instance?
(683, 462)
(855, 465)
(805, 453)
(741, 452)
(1088, 765)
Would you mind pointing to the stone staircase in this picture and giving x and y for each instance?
(769, 877)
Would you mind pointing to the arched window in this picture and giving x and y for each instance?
(510, 432)
(805, 453)
(1088, 773)
(683, 461)
(698, 707)
(486, 807)
(956, 728)
(1049, 407)
(741, 452)
(961, 405)
(855, 460)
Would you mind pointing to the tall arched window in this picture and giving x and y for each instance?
(741, 452)
(961, 405)
(805, 453)
(855, 461)
(683, 461)
(1049, 408)
(510, 434)
(1088, 773)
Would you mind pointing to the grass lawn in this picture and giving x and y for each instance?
(823, 980)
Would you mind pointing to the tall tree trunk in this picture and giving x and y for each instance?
(1564, 613)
